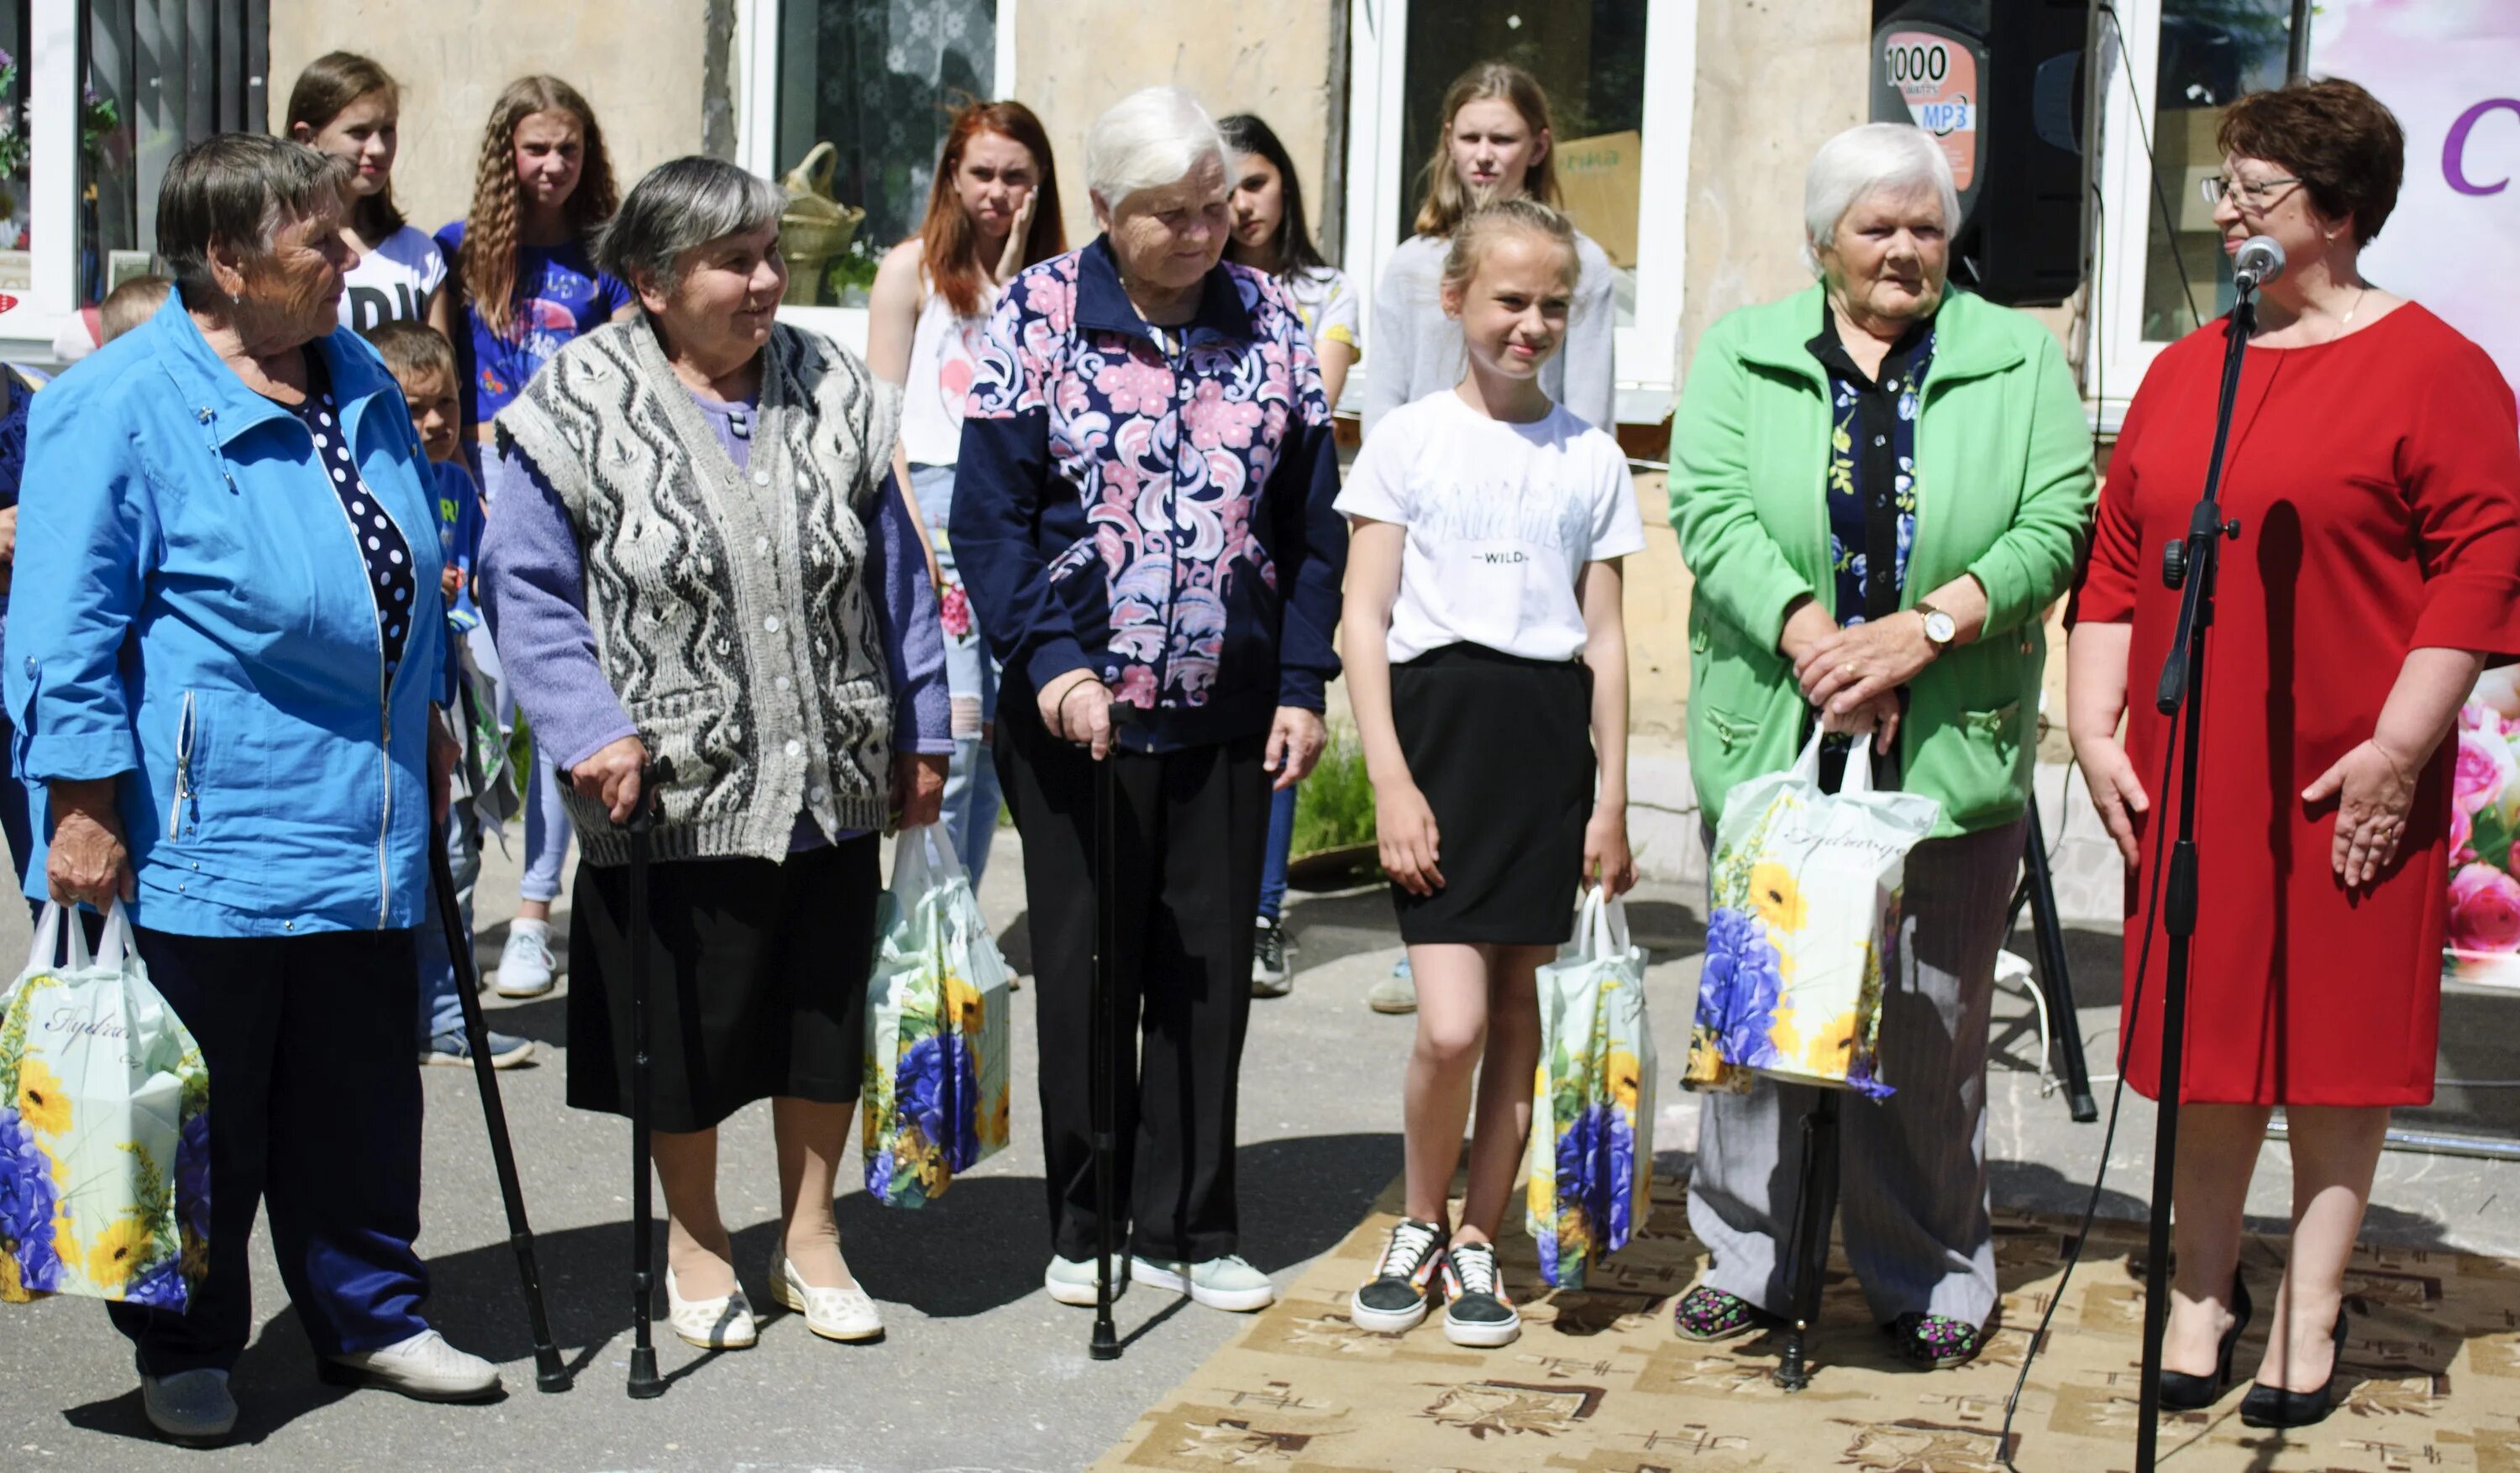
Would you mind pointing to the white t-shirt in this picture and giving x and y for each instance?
(394, 282)
(1502, 518)
(1328, 305)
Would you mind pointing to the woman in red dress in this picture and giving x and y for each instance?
(2374, 470)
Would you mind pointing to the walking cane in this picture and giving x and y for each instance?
(644, 1380)
(549, 1373)
(1103, 1056)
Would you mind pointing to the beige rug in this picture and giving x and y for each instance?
(1598, 1383)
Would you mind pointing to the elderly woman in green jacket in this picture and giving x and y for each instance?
(1879, 484)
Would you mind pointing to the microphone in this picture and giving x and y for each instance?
(2260, 260)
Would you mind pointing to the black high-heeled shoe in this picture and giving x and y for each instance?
(2183, 1392)
(2273, 1406)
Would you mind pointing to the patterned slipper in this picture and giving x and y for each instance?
(1936, 1342)
(1708, 1313)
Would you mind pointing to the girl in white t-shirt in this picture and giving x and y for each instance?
(1487, 665)
(1272, 235)
(992, 210)
(347, 104)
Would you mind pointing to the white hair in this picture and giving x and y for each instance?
(1146, 140)
(1866, 159)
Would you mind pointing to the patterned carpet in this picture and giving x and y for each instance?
(1598, 1384)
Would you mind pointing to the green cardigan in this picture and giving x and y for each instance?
(2004, 492)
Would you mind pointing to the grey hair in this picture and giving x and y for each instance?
(1866, 159)
(238, 189)
(681, 205)
(1146, 140)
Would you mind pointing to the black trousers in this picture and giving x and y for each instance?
(314, 1112)
(1193, 826)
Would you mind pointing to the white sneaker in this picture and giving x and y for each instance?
(1220, 1283)
(424, 1367)
(847, 1315)
(526, 962)
(1070, 1280)
(722, 1323)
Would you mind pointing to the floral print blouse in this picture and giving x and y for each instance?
(1153, 506)
(1872, 467)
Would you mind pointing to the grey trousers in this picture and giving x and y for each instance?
(1911, 1169)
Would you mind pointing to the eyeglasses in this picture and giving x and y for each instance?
(2254, 193)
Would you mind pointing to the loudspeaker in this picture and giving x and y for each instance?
(2001, 83)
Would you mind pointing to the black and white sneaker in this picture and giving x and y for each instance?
(1270, 975)
(1479, 1313)
(1395, 1298)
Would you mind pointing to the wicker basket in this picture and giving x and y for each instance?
(814, 227)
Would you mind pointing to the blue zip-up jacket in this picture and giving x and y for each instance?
(1163, 518)
(193, 618)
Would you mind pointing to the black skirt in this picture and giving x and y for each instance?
(756, 978)
(1501, 746)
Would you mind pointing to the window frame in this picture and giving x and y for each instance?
(1378, 183)
(52, 69)
(757, 24)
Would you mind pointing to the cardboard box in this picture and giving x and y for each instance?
(1603, 177)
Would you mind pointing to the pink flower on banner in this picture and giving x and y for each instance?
(2481, 773)
(2462, 836)
(955, 612)
(2484, 911)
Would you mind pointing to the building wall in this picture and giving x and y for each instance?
(643, 64)
(1075, 58)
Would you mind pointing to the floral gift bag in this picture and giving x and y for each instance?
(2484, 935)
(938, 1031)
(1591, 1157)
(105, 1128)
(1804, 927)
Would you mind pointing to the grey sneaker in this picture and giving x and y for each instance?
(455, 1051)
(1271, 977)
(526, 962)
(1070, 1280)
(1395, 1298)
(1396, 993)
(1220, 1283)
(424, 1367)
(191, 1408)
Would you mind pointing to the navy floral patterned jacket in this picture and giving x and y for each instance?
(1161, 518)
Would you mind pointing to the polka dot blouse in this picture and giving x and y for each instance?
(390, 575)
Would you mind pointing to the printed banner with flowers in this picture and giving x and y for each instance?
(1591, 1155)
(1803, 931)
(105, 1132)
(2483, 943)
(937, 1090)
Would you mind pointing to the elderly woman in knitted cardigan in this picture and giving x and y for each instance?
(695, 552)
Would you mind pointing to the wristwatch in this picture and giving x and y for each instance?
(1940, 627)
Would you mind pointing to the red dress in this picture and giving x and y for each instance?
(2376, 479)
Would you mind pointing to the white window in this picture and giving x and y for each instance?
(143, 79)
(874, 80)
(2162, 269)
(1621, 80)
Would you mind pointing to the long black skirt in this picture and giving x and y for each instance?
(756, 978)
(1501, 746)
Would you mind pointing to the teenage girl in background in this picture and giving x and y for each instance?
(1494, 144)
(992, 212)
(1272, 234)
(523, 285)
(1486, 664)
(347, 104)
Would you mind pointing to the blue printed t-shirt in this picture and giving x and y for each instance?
(459, 530)
(559, 295)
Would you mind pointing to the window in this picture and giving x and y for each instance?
(1622, 81)
(1589, 57)
(875, 79)
(2211, 52)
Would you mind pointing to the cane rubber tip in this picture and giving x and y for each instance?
(1104, 1351)
(551, 1382)
(645, 1384)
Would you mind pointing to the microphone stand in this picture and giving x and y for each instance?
(2189, 567)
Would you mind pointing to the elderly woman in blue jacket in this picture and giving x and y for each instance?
(225, 642)
(1145, 521)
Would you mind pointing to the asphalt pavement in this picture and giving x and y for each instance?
(979, 1370)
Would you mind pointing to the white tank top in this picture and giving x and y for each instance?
(942, 350)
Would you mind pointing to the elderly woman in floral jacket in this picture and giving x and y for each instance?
(1145, 521)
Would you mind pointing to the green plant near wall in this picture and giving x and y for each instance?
(1334, 807)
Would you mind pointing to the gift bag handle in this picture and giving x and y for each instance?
(1858, 777)
(47, 942)
(922, 860)
(1600, 925)
(117, 945)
